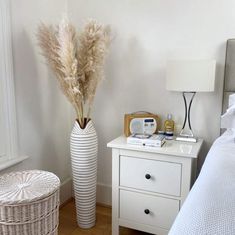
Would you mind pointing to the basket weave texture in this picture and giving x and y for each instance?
(29, 203)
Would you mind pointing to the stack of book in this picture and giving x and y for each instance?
(146, 140)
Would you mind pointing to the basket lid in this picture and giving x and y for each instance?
(27, 186)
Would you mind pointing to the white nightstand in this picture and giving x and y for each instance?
(149, 185)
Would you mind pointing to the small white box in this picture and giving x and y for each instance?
(146, 140)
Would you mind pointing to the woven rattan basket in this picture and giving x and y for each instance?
(29, 203)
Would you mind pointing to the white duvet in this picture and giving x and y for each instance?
(210, 206)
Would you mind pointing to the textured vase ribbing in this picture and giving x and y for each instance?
(84, 147)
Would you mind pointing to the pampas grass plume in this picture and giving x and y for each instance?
(77, 60)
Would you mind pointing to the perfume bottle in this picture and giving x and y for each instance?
(169, 127)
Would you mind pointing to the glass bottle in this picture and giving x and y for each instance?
(169, 127)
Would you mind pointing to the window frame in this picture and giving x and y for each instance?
(8, 90)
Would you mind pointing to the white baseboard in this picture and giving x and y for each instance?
(104, 194)
(65, 190)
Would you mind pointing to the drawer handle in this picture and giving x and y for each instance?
(146, 211)
(147, 176)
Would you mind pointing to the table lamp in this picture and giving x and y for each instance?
(189, 77)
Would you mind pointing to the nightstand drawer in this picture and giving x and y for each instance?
(149, 210)
(151, 175)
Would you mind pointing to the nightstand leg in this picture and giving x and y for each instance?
(115, 229)
(115, 191)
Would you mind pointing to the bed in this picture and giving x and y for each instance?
(210, 206)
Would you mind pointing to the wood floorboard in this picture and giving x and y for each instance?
(68, 224)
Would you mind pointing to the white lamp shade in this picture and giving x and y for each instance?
(190, 75)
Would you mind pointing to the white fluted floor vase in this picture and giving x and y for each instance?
(84, 147)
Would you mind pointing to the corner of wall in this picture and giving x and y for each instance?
(65, 190)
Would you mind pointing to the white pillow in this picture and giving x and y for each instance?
(228, 119)
(231, 100)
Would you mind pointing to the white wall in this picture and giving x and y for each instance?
(42, 112)
(146, 34)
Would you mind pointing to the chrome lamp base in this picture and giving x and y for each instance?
(187, 136)
(186, 139)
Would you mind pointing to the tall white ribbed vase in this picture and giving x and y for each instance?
(84, 147)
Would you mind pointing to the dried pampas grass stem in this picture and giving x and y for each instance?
(77, 61)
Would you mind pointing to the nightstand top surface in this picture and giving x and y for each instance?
(171, 147)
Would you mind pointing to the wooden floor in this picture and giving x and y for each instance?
(68, 225)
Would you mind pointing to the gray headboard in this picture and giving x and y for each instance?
(229, 73)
